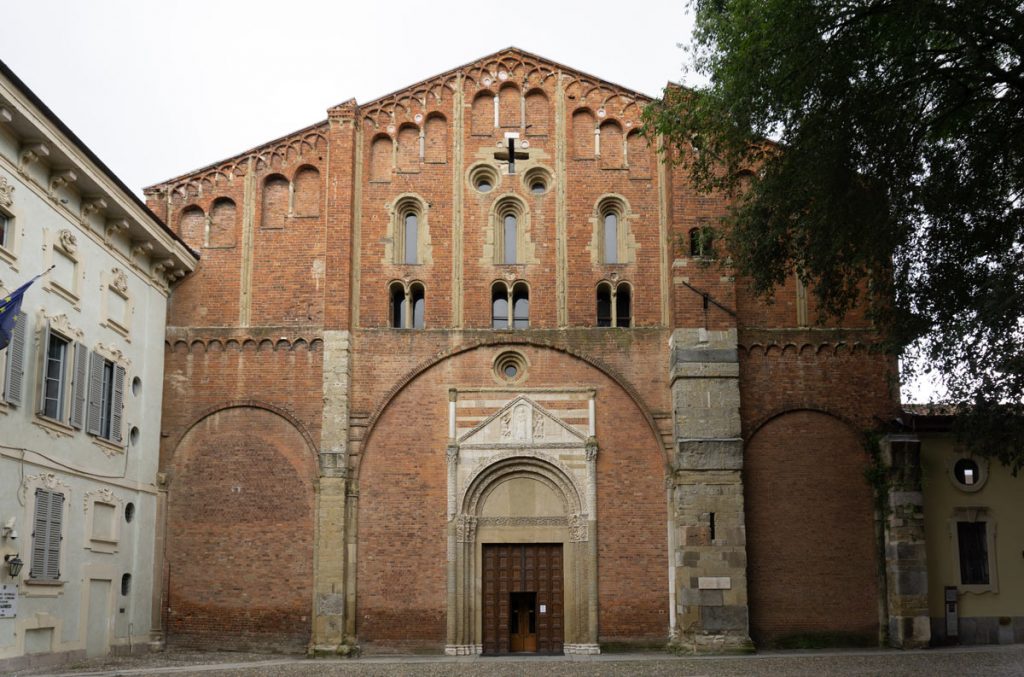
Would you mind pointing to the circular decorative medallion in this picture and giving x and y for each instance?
(418, 117)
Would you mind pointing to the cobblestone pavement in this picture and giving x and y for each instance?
(988, 661)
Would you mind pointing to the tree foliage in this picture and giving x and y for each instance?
(894, 178)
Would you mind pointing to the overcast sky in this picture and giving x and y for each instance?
(157, 89)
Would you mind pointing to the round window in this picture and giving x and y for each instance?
(484, 178)
(510, 366)
(129, 512)
(968, 474)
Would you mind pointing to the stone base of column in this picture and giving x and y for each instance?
(711, 643)
(581, 649)
(345, 650)
(463, 649)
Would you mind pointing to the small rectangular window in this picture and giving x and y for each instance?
(973, 541)
(5, 227)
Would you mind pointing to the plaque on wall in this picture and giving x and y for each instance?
(8, 601)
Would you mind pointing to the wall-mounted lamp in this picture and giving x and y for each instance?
(14, 564)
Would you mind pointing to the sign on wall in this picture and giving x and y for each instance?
(8, 601)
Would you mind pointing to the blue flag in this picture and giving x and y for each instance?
(9, 307)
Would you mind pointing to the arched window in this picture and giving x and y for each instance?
(604, 305)
(702, 242)
(410, 237)
(611, 237)
(614, 304)
(274, 206)
(638, 155)
(417, 299)
(407, 305)
(397, 305)
(192, 226)
(409, 231)
(520, 306)
(499, 306)
(515, 299)
(510, 229)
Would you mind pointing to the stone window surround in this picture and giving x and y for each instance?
(89, 502)
(26, 497)
(394, 241)
(65, 243)
(627, 245)
(115, 281)
(9, 247)
(974, 514)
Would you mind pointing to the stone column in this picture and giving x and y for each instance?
(906, 566)
(710, 557)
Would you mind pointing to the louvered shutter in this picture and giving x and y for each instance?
(80, 385)
(92, 424)
(45, 362)
(53, 541)
(14, 378)
(116, 404)
(40, 533)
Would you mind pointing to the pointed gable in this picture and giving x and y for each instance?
(522, 422)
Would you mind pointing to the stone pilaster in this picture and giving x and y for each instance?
(906, 566)
(329, 556)
(709, 558)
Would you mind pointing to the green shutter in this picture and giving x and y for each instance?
(14, 377)
(117, 404)
(79, 387)
(94, 415)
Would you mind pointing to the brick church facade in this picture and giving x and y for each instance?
(416, 400)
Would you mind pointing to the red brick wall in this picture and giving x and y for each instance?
(811, 542)
(402, 540)
(240, 534)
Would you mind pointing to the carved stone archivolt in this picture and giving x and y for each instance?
(62, 324)
(465, 529)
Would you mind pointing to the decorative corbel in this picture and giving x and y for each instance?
(163, 268)
(59, 179)
(5, 115)
(115, 227)
(6, 193)
(92, 205)
(32, 151)
(141, 248)
(178, 274)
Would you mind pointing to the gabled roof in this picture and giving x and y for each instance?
(504, 54)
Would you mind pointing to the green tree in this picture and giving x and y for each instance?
(894, 178)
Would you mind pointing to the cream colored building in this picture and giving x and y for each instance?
(975, 541)
(80, 392)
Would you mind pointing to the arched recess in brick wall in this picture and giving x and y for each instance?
(223, 223)
(436, 132)
(538, 113)
(583, 133)
(240, 528)
(811, 555)
(192, 226)
(307, 191)
(611, 145)
(402, 478)
(483, 113)
(509, 111)
(274, 203)
(638, 154)
(381, 158)
(408, 148)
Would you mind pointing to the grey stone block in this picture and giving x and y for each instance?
(723, 618)
(704, 355)
(710, 454)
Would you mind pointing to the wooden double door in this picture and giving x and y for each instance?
(522, 598)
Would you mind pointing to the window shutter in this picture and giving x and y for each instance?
(42, 376)
(80, 385)
(52, 570)
(14, 379)
(92, 423)
(117, 404)
(40, 537)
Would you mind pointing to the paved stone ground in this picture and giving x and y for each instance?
(988, 661)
